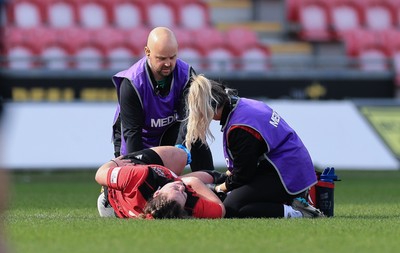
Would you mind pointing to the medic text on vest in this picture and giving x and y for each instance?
(163, 122)
(275, 119)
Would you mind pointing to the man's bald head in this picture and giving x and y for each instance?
(161, 37)
(161, 52)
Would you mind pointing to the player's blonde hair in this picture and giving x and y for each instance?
(205, 97)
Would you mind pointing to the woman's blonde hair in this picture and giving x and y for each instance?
(204, 98)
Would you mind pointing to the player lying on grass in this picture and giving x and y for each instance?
(150, 177)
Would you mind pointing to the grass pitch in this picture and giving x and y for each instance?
(56, 212)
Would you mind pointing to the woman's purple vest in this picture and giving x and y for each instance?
(285, 150)
(160, 112)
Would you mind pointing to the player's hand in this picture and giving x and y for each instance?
(119, 161)
(211, 187)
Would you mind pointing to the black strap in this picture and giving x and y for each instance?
(190, 201)
(151, 184)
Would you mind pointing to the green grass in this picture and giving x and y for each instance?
(56, 212)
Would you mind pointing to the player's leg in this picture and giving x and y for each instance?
(171, 157)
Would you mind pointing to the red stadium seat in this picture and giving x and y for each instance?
(193, 14)
(396, 8)
(357, 39)
(40, 46)
(373, 59)
(90, 57)
(210, 44)
(207, 38)
(61, 13)
(221, 59)
(391, 39)
(136, 38)
(107, 37)
(368, 48)
(314, 21)
(379, 14)
(80, 36)
(252, 55)
(128, 14)
(184, 37)
(346, 15)
(120, 57)
(392, 43)
(192, 55)
(119, 54)
(240, 38)
(292, 10)
(25, 13)
(83, 54)
(255, 59)
(161, 13)
(55, 55)
(23, 46)
(94, 13)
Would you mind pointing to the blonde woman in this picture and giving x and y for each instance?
(270, 169)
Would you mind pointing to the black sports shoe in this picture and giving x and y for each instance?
(308, 211)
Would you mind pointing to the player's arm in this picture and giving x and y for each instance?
(131, 116)
(117, 136)
(101, 174)
(246, 147)
(203, 191)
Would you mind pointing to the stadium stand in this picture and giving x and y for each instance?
(96, 26)
(112, 32)
(362, 35)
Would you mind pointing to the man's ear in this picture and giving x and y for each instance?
(156, 193)
(147, 51)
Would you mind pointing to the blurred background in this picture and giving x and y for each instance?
(331, 68)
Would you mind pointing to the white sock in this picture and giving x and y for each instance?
(289, 212)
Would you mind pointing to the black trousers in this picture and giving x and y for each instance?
(263, 197)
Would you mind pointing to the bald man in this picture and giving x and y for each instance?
(152, 99)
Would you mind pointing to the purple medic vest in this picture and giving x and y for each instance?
(285, 150)
(160, 112)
